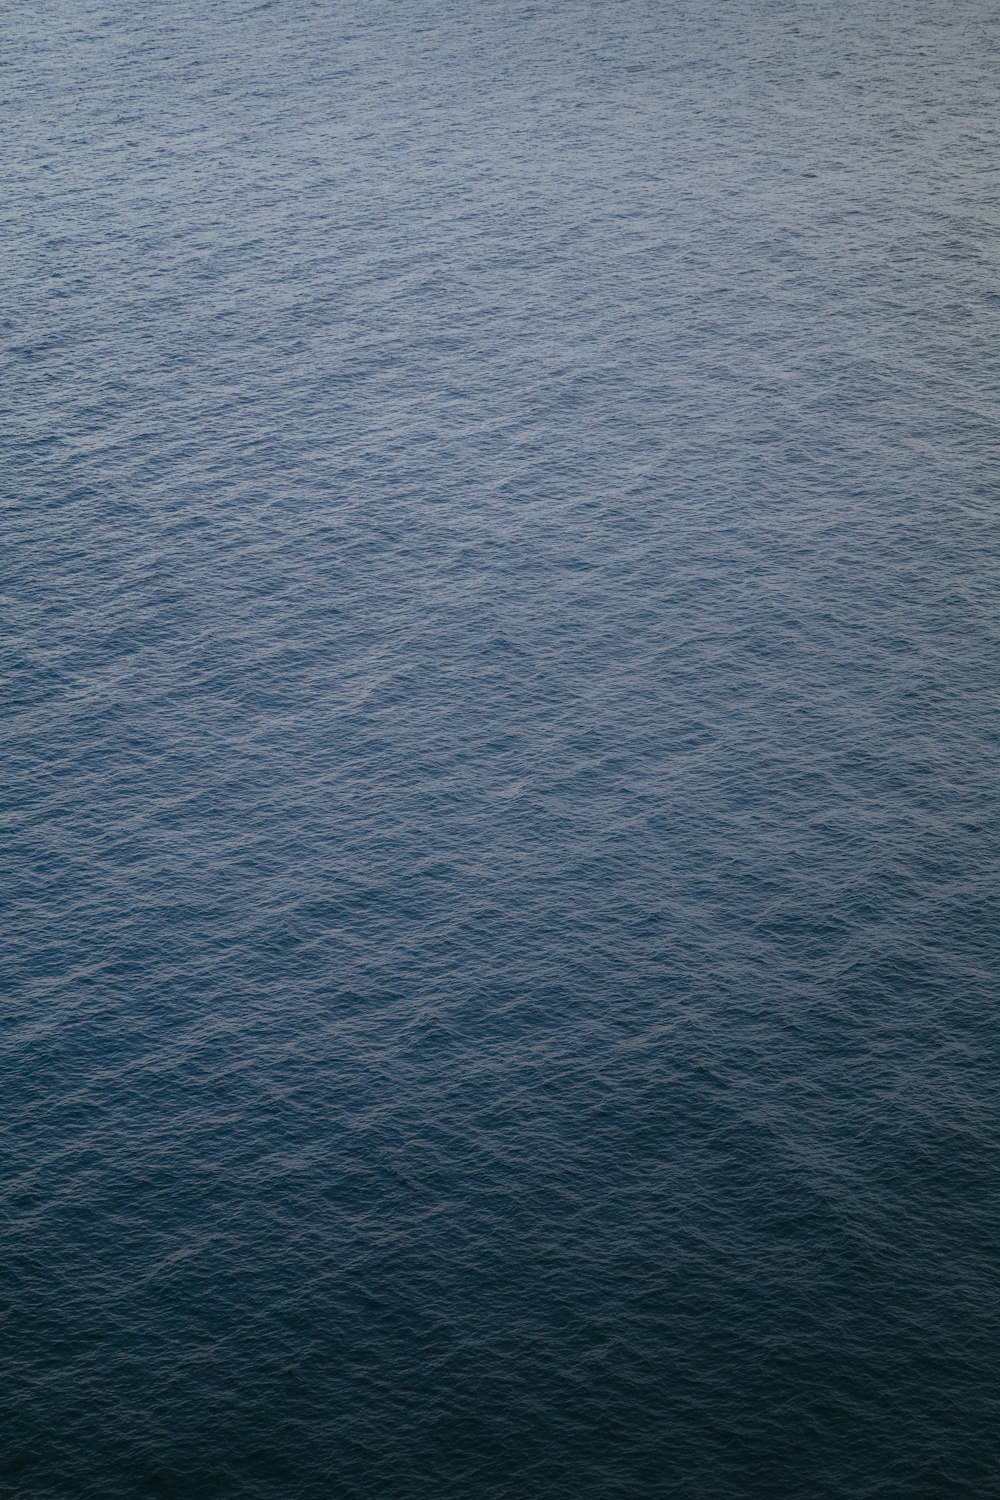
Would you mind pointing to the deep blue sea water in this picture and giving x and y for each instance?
(501, 687)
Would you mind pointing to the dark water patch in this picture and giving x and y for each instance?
(500, 900)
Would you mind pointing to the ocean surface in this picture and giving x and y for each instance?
(501, 750)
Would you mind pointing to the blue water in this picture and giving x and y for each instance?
(501, 684)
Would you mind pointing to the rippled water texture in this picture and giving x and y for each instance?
(501, 675)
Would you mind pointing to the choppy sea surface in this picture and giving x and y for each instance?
(501, 687)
